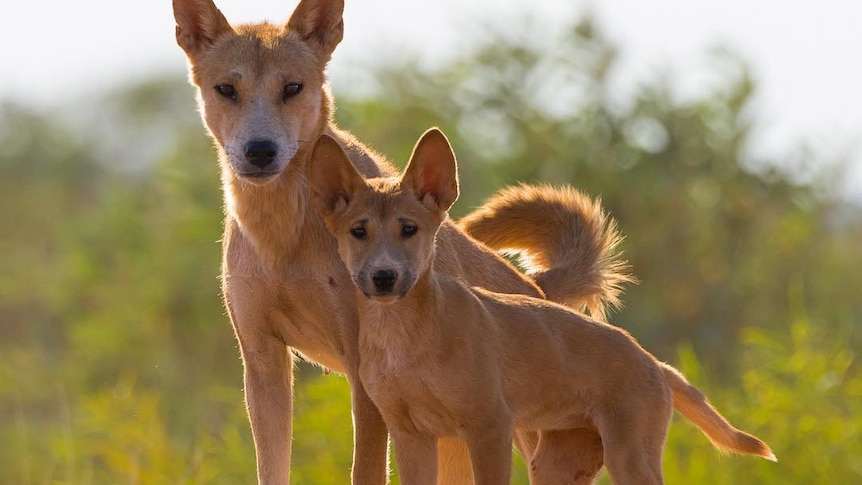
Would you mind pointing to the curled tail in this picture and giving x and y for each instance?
(693, 404)
(564, 239)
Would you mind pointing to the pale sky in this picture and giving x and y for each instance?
(804, 55)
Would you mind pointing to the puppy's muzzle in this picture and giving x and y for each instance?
(261, 153)
(384, 280)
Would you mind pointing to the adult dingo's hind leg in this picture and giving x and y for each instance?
(453, 460)
(566, 457)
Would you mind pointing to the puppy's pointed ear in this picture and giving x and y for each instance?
(333, 178)
(199, 24)
(432, 172)
(320, 23)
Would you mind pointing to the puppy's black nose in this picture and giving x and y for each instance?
(384, 279)
(260, 153)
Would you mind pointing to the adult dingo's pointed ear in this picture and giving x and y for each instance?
(432, 172)
(199, 24)
(333, 178)
(320, 23)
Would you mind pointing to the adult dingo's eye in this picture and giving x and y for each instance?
(358, 233)
(290, 90)
(408, 231)
(226, 90)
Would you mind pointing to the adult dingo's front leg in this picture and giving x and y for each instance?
(267, 376)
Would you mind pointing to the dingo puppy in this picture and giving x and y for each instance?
(263, 97)
(442, 359)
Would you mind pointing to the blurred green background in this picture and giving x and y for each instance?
(118, 364)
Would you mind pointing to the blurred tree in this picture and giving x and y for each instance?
(715, 236)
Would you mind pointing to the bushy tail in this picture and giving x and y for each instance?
(564, 239)
(693, 404)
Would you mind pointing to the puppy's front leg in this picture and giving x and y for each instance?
(491, 453)
(369, 438)
(416, 456)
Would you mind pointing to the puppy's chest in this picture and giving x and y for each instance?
(410, 399)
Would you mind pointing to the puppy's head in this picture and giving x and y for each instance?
(260, 86)
(385, 227)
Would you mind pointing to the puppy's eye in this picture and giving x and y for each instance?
(290, 90)
(226, 90)
(358, 232)
(408, 231)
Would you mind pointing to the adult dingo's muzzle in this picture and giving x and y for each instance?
(261, 153)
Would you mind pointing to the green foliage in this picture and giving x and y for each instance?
(118, 364)
(323, 419)
(801, 391)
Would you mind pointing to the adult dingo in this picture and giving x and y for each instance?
(263, 98)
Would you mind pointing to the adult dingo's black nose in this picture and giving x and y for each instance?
(260, 153)
(384, 279)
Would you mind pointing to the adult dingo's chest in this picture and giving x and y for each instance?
(307, 302)
(317, 310)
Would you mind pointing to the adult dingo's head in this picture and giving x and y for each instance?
(261, 87)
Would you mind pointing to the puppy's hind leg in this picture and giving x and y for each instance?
(631, 466)
(633, 451)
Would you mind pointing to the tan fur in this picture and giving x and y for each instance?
(557, 263)
(442, 359)
(284, 286)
